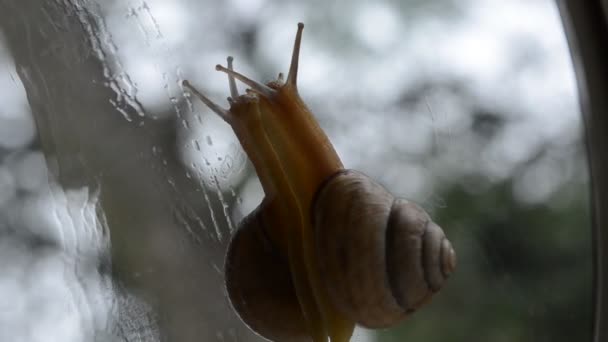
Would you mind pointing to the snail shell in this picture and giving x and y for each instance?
(381, 258)
(259, 283)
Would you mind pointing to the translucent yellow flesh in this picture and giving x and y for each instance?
(292, 157)
(307, 159)
(286, 210)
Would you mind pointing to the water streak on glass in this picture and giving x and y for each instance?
(101, 41)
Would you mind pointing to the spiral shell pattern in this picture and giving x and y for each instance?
(381, 258)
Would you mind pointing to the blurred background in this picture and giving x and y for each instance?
(119, 193)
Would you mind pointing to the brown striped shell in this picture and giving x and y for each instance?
(259, 284)
(381, 257)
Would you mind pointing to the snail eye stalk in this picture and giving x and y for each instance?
(257, 87)
(234, 92)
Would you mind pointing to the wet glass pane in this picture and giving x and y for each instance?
(120, 190)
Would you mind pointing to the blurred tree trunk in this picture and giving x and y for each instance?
(145, 196)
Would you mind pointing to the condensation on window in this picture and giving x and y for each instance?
(119, 191)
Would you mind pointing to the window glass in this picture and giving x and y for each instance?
(119, 191)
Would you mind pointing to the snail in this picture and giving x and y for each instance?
(328, 247)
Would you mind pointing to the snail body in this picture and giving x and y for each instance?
(327, 248)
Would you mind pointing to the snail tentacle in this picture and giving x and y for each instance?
(255, 86)
(223, 113)
(292, 76)
(234, 92)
